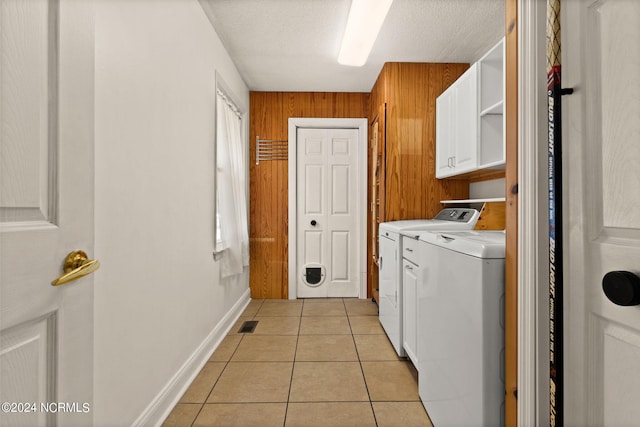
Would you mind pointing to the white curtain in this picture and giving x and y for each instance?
(231, 189)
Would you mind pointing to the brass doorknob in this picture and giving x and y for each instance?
(76, 265)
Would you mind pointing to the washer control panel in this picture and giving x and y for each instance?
(465, 215)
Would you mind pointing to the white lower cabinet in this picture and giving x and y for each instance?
(410, 280)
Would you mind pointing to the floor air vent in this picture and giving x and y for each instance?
(248, 327)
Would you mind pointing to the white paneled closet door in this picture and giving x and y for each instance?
(328, 245)
(46, 211)
(601, 127)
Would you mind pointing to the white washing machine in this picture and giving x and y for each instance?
(390, 262)
(461, 327)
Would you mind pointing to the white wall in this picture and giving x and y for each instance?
(158, 296)
(487, 189)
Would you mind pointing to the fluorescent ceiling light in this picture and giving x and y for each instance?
(363, 25)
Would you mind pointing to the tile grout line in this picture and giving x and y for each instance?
(293, 367)
(223, 369)
(255, 315)
(292, 364)
(364, 378)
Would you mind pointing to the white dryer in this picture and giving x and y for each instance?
(461, 327)
(390, 262)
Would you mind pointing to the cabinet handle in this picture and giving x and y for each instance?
(408, 249)
(453, 161)
(408, 267)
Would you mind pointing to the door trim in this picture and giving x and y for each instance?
(361, 173)
(533, 248)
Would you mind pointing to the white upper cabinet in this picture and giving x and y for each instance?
(457, 126)
(444, 133)
(470, 120)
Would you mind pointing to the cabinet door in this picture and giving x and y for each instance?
(388, 275)
(457, 126)
(444, 133)
(465, 122)
(409, 309)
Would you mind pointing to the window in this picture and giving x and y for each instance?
(231, 232)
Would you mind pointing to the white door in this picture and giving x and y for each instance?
(601, 124)
(46, 211)
(388, 273)
(327, 230)
(410, 310)
(389, 296)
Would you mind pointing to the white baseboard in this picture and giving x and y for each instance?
(159, 409)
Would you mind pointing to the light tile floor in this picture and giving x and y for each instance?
(313, 362)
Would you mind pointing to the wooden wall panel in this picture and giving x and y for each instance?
(440, 78)
(410, 91)
(511, 219)
(268, 220)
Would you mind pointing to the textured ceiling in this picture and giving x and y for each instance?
(292, 45)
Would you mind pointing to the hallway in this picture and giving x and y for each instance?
(314, 362)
